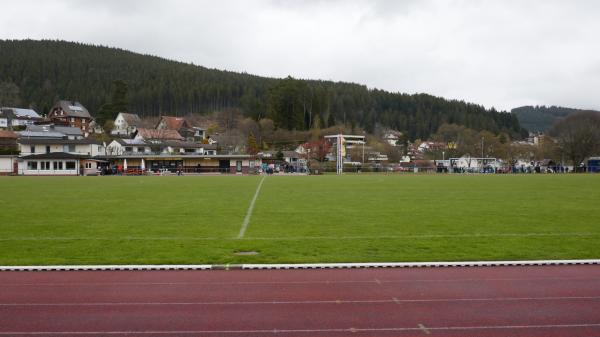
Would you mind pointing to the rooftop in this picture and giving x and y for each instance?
(73, 109)
(159, 134)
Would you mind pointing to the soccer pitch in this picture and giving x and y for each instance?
(297, 219)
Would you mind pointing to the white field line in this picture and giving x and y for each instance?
(381, 301)
(295, 238)
(305, 331)
(250, 209)
(307, 265)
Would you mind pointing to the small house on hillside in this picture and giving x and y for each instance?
(71, 113)
(120, 147)
(179, 124)
(11, 118)
(392, 137)
(126, 124)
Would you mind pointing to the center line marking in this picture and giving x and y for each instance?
(250, 208)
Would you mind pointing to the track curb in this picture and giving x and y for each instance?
(302, 265)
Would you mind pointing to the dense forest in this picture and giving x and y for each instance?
(541, 118)
(37, 73)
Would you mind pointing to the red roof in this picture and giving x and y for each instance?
(173, 123)
(159, 134)
(8, 134)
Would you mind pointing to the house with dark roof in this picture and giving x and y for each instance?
(126, 124)
(52, 131)
(11, 118)
(71, 113)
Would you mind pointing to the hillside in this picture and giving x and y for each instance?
(36, 73)
(540, 118)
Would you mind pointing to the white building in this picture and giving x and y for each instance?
(136, 146)
(126, 124)
(49, 150)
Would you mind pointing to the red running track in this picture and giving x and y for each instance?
(485, 301)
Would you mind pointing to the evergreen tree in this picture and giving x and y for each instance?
(110, 80)
(252, 145)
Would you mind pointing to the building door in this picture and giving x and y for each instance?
(224, 166)
(238, 166)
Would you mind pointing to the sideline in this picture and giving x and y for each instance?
(306, 265)
(250, 209)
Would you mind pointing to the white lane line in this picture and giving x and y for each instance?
(296, 238)
(366, 282)
(288, 331)
(250, 209)
(424, 329)
(383, 301)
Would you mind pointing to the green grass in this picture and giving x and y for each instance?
(193, 220)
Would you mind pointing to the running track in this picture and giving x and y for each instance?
(489, 301)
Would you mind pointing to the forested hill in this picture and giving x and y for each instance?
(36, 73)
(541, 118)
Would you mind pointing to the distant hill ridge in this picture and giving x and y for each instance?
(541, 118)
(41, 72)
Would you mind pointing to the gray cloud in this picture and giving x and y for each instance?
(496, 53)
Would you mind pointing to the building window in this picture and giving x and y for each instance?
(70, 165)
(72, 119)
(140, 149)
(88, 165)
(32, 149)
(71, 148)
(47, 148)
(32, 165)
(58, 165)
(128, 149)
(45, 165)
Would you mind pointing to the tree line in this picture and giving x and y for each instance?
(541, 118)
(105, 80)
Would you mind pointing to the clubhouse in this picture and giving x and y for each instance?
(185, 163)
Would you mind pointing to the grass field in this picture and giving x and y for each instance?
(194, 220)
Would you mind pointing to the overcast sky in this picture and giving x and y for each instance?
(502, 53)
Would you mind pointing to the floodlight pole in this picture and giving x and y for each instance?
(339, 164)
(482, 148)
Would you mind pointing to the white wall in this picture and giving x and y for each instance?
(24, 168)
(85, 149)
(6, 164)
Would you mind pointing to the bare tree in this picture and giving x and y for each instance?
(578, 136)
